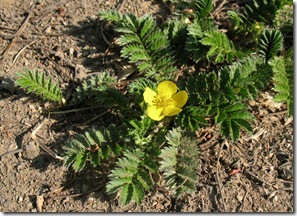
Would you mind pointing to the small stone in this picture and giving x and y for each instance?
(71, 51)
(48, 30)
(32, 108)
(34, 210)
(20, 199)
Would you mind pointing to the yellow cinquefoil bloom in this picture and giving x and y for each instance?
(165, 102)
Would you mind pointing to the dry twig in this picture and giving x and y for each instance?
(218, 179)
(44, 147)
(75, 110)
(18, 34)
(10, 152)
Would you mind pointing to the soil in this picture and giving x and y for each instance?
(64, 39)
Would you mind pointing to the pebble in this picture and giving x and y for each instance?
(34, 210)
(20, 199)
(7, 84)
(48, 30)
(32, 108)
(71, 51)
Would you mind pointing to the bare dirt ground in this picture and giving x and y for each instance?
(63, 38)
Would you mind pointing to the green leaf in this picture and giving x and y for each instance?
(138, 194)
(244, 124)
(146, 46)
(36, 82)
(270, 43)
(144, 179)
(203, 8)
(114, 186)
(221, 116)
(178, 164)
(235, 131)
(95, 158)
(80, 161)
(127, 194)
(220, 46)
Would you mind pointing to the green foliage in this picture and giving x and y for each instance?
(270, 43)
(205, 41)
(179, 162)
(176, 31)
(231, 117)
(203, 8)
(284, 22)
(139, 129)
(143, 44)
(38, 83)
(100, 89)
(93, 146)
(193, 45)
(193, 117)
(283, 81)
(220, 46)
(91, 85)
(243, 30)
(222, 95)
(244, 78)
(131, 176)
(262, 10)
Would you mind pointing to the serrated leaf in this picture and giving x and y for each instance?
(114, 185)
(39, 84)
(80, 161)
(242, 114)
(144, 179)
(221, 116)
(245, 124)
(203, 8)
(95, 158)
(127, 194)
(235, 131)
(270, 42)
(225, 128)
(138, 193)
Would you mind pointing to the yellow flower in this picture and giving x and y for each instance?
(165, 102)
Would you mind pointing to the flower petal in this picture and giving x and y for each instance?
(155, 113)
(149, 95)
(166, 89)
(171, 110)
(180, 98)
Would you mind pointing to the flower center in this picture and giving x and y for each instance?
(161, 102)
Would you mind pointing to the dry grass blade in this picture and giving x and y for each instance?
(218, 178)
(44, 147)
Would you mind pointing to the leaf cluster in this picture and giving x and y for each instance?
(179, 162)
(131, 176)
(143, 44)
(93, 146)
(38, 83)
(283, 81)
(222, 95)
(100, 89)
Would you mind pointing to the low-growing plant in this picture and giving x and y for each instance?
(38, 83)
(163, 108)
